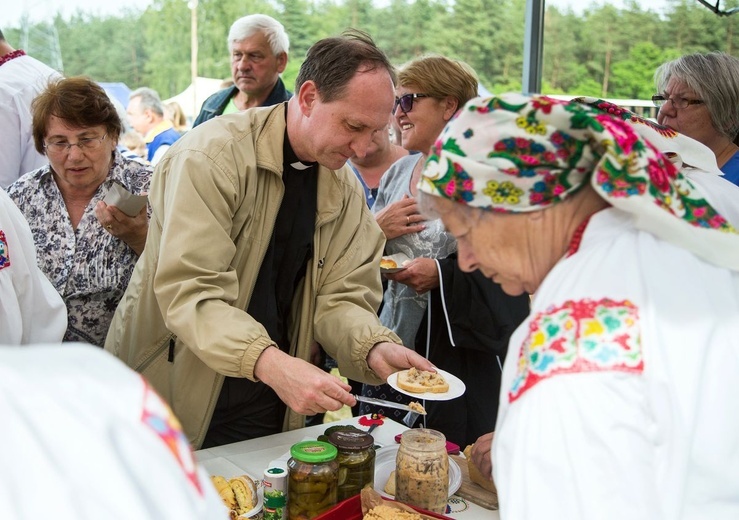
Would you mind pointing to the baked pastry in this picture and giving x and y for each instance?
(475, 475)
(388, 263)
(390, 484)
(390, 513)
(239, 494)
(245, 492)
(420, 381)
(224, 490)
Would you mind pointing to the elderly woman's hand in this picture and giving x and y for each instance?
(481, 455)
(420, 274)
(400, 218)
(132, 230)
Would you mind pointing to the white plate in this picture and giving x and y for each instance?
(227, 469)
(456, 387)
(399, 259)
(385, 464)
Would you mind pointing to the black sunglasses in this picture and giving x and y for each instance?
(406, 101)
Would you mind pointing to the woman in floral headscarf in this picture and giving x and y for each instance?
(618, 395)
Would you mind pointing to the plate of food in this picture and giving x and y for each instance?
(241, 493)
(431, 386)
(394, 263)
(385, 472)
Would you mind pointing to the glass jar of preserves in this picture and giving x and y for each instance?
(422, 470)
(312, 482)
(356, 460)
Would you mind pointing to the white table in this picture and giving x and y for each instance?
(254, 456)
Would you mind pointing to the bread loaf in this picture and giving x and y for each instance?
(475, 475)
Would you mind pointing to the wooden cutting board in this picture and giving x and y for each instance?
(471, 491)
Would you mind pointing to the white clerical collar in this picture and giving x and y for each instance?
(297, 165)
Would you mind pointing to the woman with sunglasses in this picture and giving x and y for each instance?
(86, 248)
(699, 97)
(430, 91)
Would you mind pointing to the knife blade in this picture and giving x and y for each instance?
(387, 404)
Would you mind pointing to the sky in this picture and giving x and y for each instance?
(39, 10)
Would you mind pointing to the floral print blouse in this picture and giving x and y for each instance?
(89, 267)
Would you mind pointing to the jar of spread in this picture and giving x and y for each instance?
(356, 460)
(422, 470)
(312, 482)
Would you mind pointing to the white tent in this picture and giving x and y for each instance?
(191, 99)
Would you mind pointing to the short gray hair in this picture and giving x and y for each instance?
(273, 30)
(714, 77)
(149, 100)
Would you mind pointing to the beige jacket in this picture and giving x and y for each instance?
(215, 196)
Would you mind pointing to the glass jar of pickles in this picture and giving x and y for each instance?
(356, 461)
(422, 470)
(312, 483)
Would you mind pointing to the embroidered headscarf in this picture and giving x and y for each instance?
(516, 154)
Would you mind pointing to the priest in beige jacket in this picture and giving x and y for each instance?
(187, 321)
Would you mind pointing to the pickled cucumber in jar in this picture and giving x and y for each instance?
(312, 485)
(356, 460)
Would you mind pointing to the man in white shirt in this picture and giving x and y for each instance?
(21, 80)
(31, 310)
(88, 438)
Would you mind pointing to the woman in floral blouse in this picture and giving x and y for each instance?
(618, 396)
(85, 247)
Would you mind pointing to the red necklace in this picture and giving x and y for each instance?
(577, 237)
(12, 55)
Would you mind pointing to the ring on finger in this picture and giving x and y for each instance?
(109, 227)
(407, 220)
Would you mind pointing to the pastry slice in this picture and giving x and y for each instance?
(245, 492)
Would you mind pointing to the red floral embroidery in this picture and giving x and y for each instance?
(4, 254)
(579, 336)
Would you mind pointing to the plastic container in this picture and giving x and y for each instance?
(313, 476)
(356, 460)
(274, 483)
(422, 470)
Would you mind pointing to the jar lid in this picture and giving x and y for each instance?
(313, 451)
(351, 441)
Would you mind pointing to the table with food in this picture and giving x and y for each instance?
(367, 467)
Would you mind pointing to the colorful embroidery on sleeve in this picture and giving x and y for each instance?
(4, 255)
(579, 336)
(157, 415)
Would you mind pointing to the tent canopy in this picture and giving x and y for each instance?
(118, 91)
(192, 98)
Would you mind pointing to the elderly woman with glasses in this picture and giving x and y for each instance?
(460, 322)
(699, 97)
(85, 247)
(619, 391)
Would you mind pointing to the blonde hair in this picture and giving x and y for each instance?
(439, 77)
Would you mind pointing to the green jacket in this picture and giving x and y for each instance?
(215, 196)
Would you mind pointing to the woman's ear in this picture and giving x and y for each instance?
(450, 108)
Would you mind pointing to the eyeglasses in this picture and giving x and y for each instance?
(677, 102)
(89, 144)
(406, 101)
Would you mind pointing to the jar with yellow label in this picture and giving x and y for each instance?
(356, 461)
(312, 484)
(422, 470)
